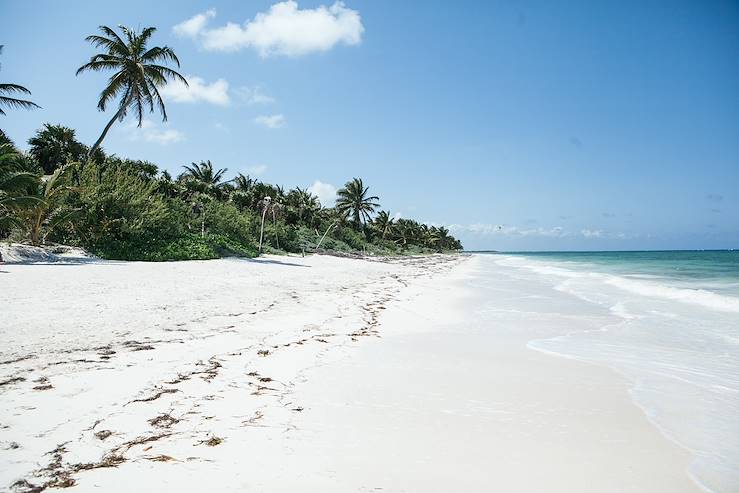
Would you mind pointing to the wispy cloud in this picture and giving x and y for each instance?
(503, 230)
(253, 95)
(193, 26)
(518, 232)
(271, 121)
(592, 233)
(715, 197)
(197, 90)
(325, 192)
(284, 29)
(258, 169)
(151, 132)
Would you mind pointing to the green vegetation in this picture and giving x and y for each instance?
(138, 73)
(62, 191)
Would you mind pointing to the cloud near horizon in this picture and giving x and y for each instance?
(325, 192)
(284, 29)
(515, 231)
(197, 90)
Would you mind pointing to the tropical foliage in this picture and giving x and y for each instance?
(139, 73)
(63, 191)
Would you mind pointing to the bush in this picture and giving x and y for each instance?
(227, 220)
(121, 214)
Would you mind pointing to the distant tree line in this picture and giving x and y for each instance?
(63, 191)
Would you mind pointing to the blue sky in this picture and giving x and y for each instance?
(521, 125)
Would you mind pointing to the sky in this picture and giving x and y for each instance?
(546, 125)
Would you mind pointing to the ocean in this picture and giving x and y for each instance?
(672, 330)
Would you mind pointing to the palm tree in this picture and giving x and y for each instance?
(204, 175)
(54, 146)
(138, 75)
(353, 199)
(264, 204)
(6, 90)
(47, 212)
(383, 222)
(243, 182)
(303, 204)
(14, 187)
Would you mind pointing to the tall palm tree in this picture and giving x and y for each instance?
(383, 222)
(139, 73)
(6, 90)
(354, 199)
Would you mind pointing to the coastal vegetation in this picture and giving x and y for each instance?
(62, 191)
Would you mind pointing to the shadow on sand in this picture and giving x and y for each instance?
(270, 261)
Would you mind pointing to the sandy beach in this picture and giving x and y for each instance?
(311, 374)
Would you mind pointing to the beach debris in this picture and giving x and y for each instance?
(212, 441)
(156, 395)
(253, 420)
(161, 458)
(18, 359)
(103, 434)
(10, 380)
(163, 421)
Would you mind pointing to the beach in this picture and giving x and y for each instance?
(312, 374)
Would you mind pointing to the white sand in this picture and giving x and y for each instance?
(428, 406)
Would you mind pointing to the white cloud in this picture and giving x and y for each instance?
(592, 233)
(151, 132)
(325, 192)
(284, 29)
(253, 95)
(271, 121)
(502, 230)
(518, 232)
(197, 90)
(257, 170)
(194, 25)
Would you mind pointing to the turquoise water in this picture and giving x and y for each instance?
(700, 269)
(673, 330)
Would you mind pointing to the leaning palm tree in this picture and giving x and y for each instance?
(138, 75)
(7, 91)
(353, 199)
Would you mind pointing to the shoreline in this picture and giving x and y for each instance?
(334, 378)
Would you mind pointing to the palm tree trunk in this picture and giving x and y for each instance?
(121, 111)
(261, 231)
(324, 235)
(97, 143)
(274, 222)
